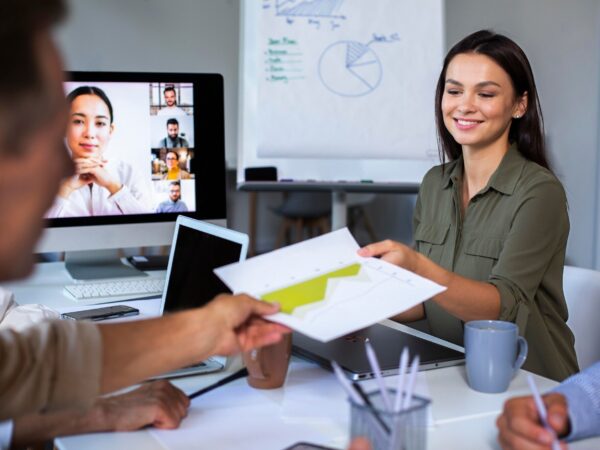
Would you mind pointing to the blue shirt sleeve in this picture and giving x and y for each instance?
(6, 429)
(582, 392)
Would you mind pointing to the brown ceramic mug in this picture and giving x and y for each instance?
(267, 366)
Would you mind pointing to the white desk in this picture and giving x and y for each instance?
(310, 406)
(46, 286)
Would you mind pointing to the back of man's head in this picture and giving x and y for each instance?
(21, 23)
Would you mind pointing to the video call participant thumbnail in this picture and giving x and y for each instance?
(174, 170)
(173, 140)
(174, 204)
(171, 109)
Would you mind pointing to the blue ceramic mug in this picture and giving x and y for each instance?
(494, 352)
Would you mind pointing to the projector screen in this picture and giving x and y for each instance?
(340, 90)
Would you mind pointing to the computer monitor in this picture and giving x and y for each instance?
(146, 148)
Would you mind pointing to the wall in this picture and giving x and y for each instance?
(561, 40)
(560, 37)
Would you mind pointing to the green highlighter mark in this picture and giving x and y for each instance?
(309, 291)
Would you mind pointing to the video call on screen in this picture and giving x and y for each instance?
(192, 282)
(147, 149)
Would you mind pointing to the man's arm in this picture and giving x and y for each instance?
(133, 351)
(67, 364)
(158, 404)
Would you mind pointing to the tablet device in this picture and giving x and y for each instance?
(198, 248)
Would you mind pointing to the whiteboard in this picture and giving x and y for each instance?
(335, 90)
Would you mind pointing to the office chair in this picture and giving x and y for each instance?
(582, 293)
(355, 203)
(306, 213)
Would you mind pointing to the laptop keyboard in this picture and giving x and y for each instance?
(115, 290)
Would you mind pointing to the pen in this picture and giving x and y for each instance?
(539, 404)
(372, 357)
(401, 375)
(370, 407)
(346, 384)
(410, 387)
(239, 374)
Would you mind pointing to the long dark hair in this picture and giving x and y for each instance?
(527, 131)
(91, 90)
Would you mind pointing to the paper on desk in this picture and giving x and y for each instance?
(325, 288)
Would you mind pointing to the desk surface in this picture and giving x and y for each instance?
(46, 284)
(310, 406)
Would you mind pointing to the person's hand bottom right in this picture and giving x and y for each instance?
(519, 425)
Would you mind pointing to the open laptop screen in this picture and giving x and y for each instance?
(192, 281)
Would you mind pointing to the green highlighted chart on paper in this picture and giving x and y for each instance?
(325, 288)
(309, 291)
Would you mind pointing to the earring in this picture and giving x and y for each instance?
(518, 116)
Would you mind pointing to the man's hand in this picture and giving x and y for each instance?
(393, 252)
(239, 326)
(519, 424)
(159, 404)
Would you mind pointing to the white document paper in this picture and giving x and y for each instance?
(325, 288)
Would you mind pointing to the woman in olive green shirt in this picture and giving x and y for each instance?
(491, 224)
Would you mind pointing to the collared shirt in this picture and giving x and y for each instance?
(132, 198)
(513, 235)
(178, 142)
(582, 392)
(6, 430)
(170, 206)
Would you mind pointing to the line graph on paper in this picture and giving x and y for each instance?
(309, 8)
(325, 289)
(350, 69)
(337, 289)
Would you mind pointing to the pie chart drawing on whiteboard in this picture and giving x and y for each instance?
(350, 69)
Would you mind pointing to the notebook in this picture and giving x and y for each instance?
(349, 351)
(198, 248)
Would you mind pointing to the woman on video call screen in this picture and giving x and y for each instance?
(119, 161)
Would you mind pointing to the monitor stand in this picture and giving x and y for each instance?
(98, 264)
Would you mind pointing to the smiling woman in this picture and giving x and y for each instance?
(491, 224)
(100, 186)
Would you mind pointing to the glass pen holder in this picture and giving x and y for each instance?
(404, 430)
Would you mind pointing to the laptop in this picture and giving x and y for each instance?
(197, 249)
(349, 351)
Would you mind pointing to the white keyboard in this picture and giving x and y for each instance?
(114, 290)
